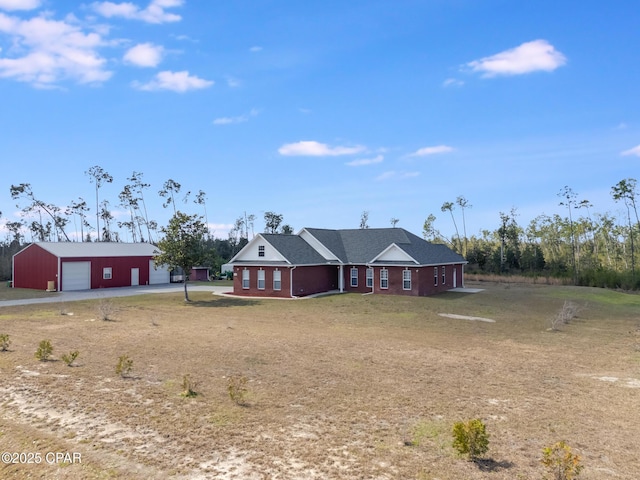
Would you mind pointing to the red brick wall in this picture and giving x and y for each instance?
(253, 282)
(316, 279)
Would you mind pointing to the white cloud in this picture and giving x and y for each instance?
(144, 55)
(175, 81)
(255, 49)
(632, 151)
(46, 51)
(393, 175)
(154, 13)
(316, 149)
(452, 82)
(233, 82)
(238, 119)
(426, 151)
(19, 4)
(526, 58)
(365, 161)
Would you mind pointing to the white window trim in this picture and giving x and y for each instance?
(435, 276)
(384, 277)
(107, 273)
(404, 272)
(354, 270)
(277, 286)
(261, 273)
(261, 250)
(247, 279)
(444, 275)
(369, 276)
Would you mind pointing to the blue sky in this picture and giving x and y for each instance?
(320, 110)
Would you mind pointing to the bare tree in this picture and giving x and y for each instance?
(38, 206)
(138, 187)
(168, 192)
(449, 206)
(364, 219)
(201, 199)
(98, 177)
(464, 203)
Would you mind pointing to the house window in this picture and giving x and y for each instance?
(406, 279)
(277, 280)
(435, 276)
(107, 273)
(354, 276)
(384, 278)
(370, 277)
(261, 250)
(444, 275)
(260, 279)
(245, 279)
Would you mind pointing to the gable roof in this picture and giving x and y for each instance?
(360, 246)
(294, 249)
(98, 249)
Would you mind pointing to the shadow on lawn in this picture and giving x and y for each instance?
(221, 302)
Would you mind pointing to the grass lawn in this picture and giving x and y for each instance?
(338, 387)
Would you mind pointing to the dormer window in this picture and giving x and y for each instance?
(261, 250)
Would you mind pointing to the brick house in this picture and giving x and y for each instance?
(376, 260)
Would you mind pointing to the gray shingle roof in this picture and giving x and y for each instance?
(294, 249)
(362, 246)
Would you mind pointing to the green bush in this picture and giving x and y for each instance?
(124, 366)
(4, 342)
(44, 351)
(470, 438)
(70, 357)
(561, 463)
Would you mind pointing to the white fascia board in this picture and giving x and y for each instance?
(393, 253)
(317, 245)
(249, 252)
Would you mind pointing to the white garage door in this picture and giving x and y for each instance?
(158, 275)
(76, 276)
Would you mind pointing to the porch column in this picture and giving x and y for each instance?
(341, 279)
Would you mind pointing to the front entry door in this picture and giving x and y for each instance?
(135, 277)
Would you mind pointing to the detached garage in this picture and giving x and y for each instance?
(86, 265)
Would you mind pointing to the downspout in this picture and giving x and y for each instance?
(341, 279)
(291, 269)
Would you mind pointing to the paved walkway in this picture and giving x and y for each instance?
(115, 292)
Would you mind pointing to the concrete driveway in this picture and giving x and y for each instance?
(115, 292)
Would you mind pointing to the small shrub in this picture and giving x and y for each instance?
(106, 309)
(4, 342)
(470, 438)
(70, 357)
(561, 463)
(188, 387)
(124, 366)
(567, 313)
(44, 350)
(237, 388)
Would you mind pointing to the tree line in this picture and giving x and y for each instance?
(583, 247)
(91, 220)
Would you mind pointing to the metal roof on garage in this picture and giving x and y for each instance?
(98, 249)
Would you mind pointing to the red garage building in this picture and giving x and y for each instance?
(377, 260)
(86, 265)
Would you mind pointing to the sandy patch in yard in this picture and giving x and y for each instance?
(466, 317)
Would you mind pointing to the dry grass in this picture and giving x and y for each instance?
(340, 387)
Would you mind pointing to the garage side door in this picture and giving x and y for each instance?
(158, 275)
(76, 276)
